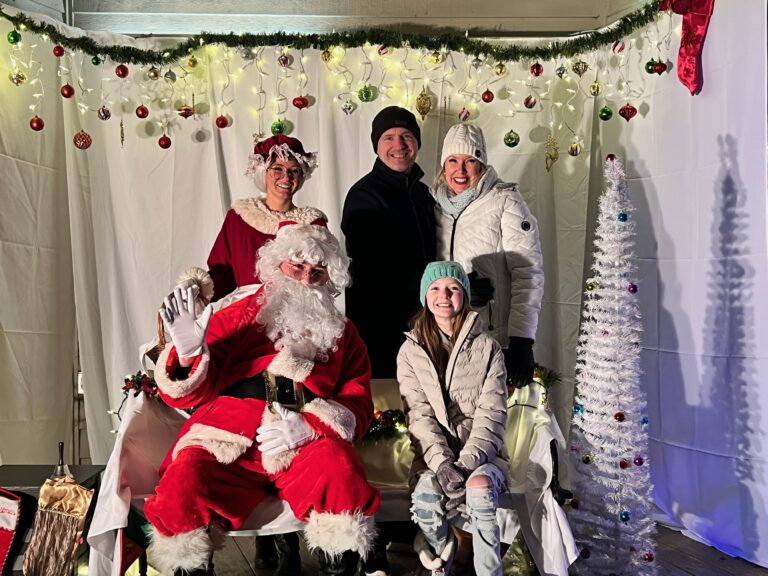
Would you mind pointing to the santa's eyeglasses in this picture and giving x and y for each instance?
(315, 274)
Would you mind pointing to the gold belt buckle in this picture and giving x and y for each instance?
(289, 397)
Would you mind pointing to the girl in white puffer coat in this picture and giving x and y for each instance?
(453, 384)
(484, 224)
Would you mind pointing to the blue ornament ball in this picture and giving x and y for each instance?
(624, 516)
(644, 420)
(622, 216)
(578, 408)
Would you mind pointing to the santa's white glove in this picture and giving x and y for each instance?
(187, 330)
(286, 434)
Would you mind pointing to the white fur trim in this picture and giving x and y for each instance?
(427, 555)
(225, 446)
(180, 388)
(188, 550)
(278, 462)
(200, 278)
(334, 534)
(256, 214)
(338, 417)
(289, 365)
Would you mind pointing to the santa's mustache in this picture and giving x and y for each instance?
(301, 317)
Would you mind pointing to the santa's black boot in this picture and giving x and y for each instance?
(343, 565)
(197, 571)
(266, 553)
(288, 554)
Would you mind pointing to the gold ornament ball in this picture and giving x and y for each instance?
(17, 77)
(192, 62)
(500, 69)
(326, 56)
(595, 88)
(436, 57)
(423, 103)
(153, 73)
(580, 67)
(574, 149)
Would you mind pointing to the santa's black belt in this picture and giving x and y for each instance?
(266, 386)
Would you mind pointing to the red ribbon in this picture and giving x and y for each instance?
(696, 17)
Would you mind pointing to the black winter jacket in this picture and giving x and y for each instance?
(389, 225)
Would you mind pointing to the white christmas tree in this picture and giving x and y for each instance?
(610, 513)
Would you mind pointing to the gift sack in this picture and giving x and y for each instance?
(59, 522)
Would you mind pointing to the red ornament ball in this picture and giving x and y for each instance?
(377, 415)
(58, 51)
(648, 557)
(632, 288)
(660, 68)
(164, 142)
(222, 121)
(529, 102)
(67, 91)
(82, 140)
(121, 71)
(300, 102)
(623, 463)
(487, 96)
(627, 112)
(142, 111)
(618, 47)
(639, 461)
(36, 123)
(619, 416)
(537, 69)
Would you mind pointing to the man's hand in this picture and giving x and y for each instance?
(182, 323)
(451, 479)
(518, 359)
(481, 290)
(286, 434)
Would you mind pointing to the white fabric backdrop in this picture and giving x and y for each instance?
(137, 215)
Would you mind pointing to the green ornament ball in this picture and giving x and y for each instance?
(605, 113)
(587, 459)
(278, 127)
(649, 66)
(14, 37)
(95, 60)
(511, 139)
(592, 285)
(366, 93)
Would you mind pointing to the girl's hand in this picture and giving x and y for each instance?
(451, 479)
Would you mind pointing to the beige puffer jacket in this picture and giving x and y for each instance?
(497, 236)
(466, 424)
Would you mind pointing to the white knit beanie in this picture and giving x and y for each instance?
(464, 139)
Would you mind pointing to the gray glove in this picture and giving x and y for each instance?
(452, 479)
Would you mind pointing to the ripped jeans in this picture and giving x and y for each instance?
(429, 513)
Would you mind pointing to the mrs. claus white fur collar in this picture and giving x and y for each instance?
(256, 214)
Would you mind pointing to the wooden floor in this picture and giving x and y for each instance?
(677, 556)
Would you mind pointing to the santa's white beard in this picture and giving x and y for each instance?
(302, 318)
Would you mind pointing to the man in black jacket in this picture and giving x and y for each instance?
(389, 225)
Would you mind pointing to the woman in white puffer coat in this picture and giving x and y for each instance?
(484, 224)
(453, 384)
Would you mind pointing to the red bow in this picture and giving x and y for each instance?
(696, 17)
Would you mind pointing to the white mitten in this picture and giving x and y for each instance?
(286, 434)
(186, 329)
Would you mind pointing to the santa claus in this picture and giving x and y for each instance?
(281, 382)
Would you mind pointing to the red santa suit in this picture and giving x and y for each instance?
(248, 225)
(215, 474)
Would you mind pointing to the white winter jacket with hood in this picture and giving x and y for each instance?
(464, 422)
(497, 236)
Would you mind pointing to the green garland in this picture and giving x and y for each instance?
(449, 41)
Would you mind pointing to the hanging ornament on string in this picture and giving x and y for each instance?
(500, 69)
(436, 57)
(464, 114)
(283, 60)
(170, 76)
(67, 91)
(326, 56)
(36, 123)
(104, 113)
(122, 132)
(192, 62)
(537, 69)
(423, 103)
(511, 139)
(649, 66)
(121, 71)
(18, 77)
(142, 111)
(278, 127)
(476, 62)
(382, 50)
(185, 111)
(95, 60)
(574, 149)
(366, 93)
(618, 47)
(164, 142)
(605, 113)
(58, 51)
(529, 101)
(595, 89)
(14, 37)
(82, 140)
(487, 96)
(660, 67)
(153, 73)
(348, 107)
(551, 152)
(580, 67)
(300, 102)
(222, 121)
(561, 71)
(627, 112)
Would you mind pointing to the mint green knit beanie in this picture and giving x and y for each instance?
(447, 269)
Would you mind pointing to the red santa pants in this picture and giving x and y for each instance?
(196, 490)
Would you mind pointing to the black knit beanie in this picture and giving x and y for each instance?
(394, 117)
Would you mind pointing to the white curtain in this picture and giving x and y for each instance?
(136, 215)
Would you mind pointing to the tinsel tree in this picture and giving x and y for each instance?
(611, 510)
